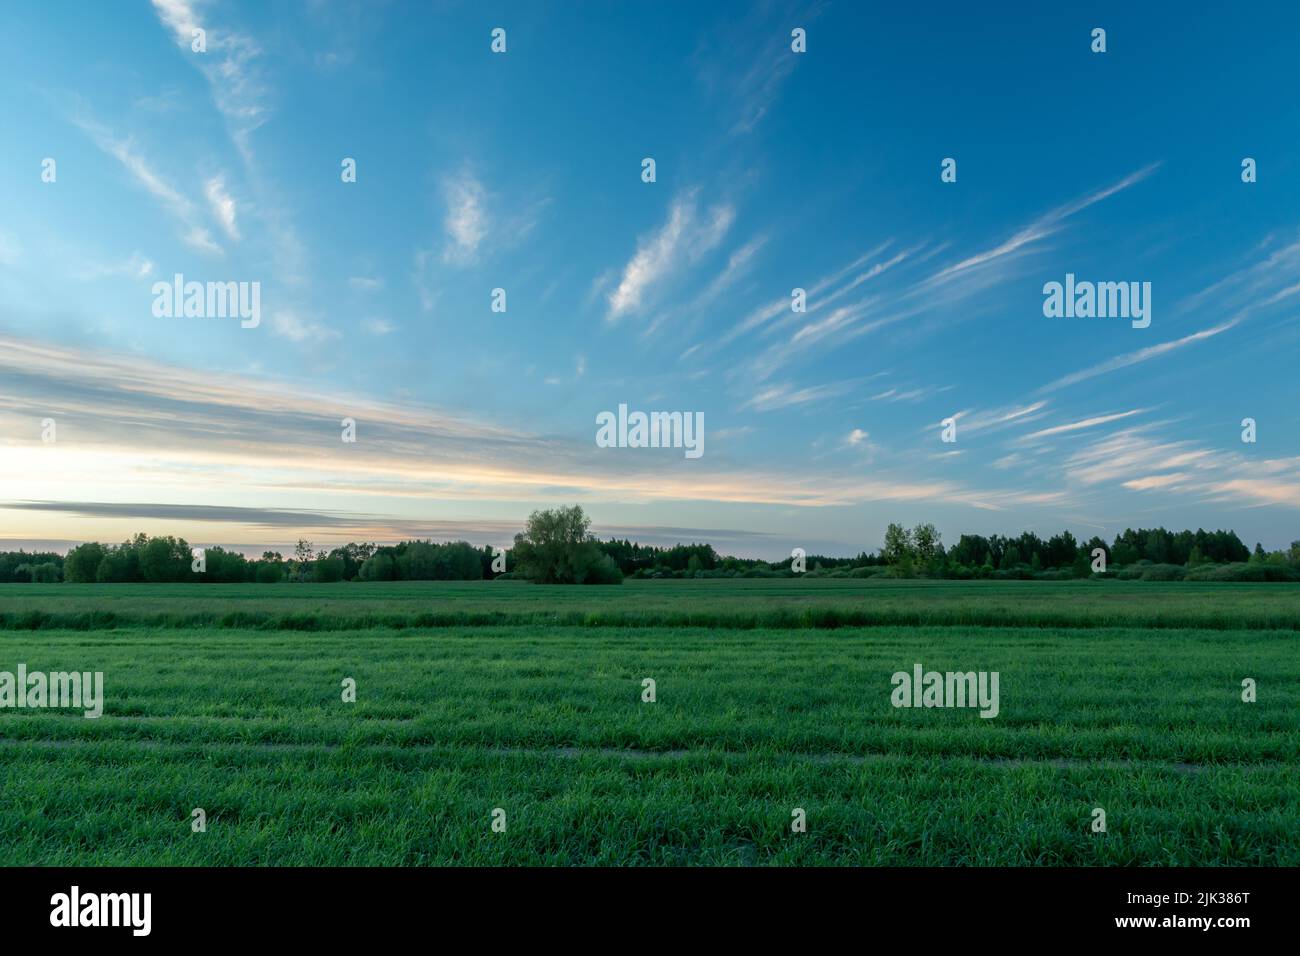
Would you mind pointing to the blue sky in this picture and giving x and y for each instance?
(522, 171)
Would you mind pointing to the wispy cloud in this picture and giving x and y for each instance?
(787, 396)
(1084, 423)
(222, 206)
(995, 419)
(132, 430)
(1040, 228)
(681, 240)
(289, 324)
(230, 66)
(193, 233)
(136, 266)
(1141, 355)
(466, 220)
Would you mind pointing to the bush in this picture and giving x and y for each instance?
(82, 563)
(1241, 571)
(328, 570)
(1060, 574)
(378, 567)
(865, 572)
(1164, 572)
(556, 547)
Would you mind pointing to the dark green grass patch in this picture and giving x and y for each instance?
(548, 724)
(792, 604)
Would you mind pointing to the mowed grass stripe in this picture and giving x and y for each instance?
(808, 603)
(1113, 694)
(350, 808)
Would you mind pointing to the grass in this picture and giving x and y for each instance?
(545, 720)
(729, 604)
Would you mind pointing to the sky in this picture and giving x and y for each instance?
(522, 171)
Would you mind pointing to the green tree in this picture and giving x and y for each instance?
(556, 547)
(378, 567)
(925, 543)
(898, 545)
(82, 563)
(328, 570)
(164, 559)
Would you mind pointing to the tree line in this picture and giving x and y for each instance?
(557, 547)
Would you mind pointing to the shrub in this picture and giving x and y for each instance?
(378, 567)
(1164, 572)
(328, 570)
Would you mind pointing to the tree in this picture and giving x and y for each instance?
(164, 559)
(556, 547)
(925, 542)
(898, 544)
(82, 563)
(1124, 553)
(378, 567)
(328, 570)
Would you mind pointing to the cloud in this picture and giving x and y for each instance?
(1262, 492)
(222, 206)
(1157, 481)
(1130, 453)
(378, 326)
(683, 239)
(1040, 228)
(365, 284)
(230, 66)
(893, 395)
(1141, 355)
(181, 207)
(131, 429)
(257, 517)
(787, 396)
(135, 267)
(750, 71)
(994, 419)
(1085, 423)
(466, 222)
(288, 324)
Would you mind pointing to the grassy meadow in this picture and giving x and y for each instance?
(770, 695)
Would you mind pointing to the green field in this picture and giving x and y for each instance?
(771, 695)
